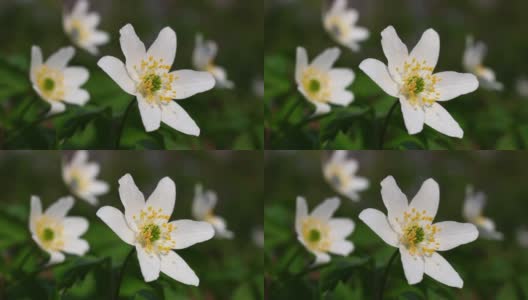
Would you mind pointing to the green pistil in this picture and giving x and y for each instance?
(48, 234)
(314, 86)
(154, 231)
(153, 82)
(417, 84)
(419, 234)
(314, 235)
(49, 84)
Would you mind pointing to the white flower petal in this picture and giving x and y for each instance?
(79, 158)
(427, 49)
(379, 73)
(377, 221)
(413, 117)
(35, 211)
(131, 197)
(203, 202)
(92, 20)
(150, 114)
(75, 226)
(176, 117)
(301, 212)
(453, 84)
(80, 8)
(453, 234)
(325, 210)
(427, 198)
(117, 71)
(301, 64)
(350, 166)
(149, 263)
(439, 119)
(132, 47)
(56, 107)
(188, 83)
(439, 269)
(342, 247)
(77, 96)
(76, 76)
(321, 258)
(36, 61)
(115, 219)
(359, 34)
(325, 60)
(76, 246)
(413, 266)
(321, 108)
(341, 97)
(99, 38)
(176, 268)
(395, 50)
(394, 200)
(340, 228)
(187, 233)
(60, 59)
(60, 208)
(56, 257)
(164, 46)
(341, 78)
(164, 196)
(99, 187)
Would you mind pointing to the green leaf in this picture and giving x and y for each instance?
(77, 269)
(340, 270)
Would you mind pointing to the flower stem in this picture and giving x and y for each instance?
(122, 124)
(292, 109)
(295, 253)
(386, 123)
(122, 273)
(386, 273)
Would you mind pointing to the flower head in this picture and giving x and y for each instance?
(147, 76)
(319, 83)
(57, 83)
(340, 174)
(80, 177)
(410, 227)
(203, 59)
(81, 27)
(473, 58)
(321, 234)
(146, 226)
(56, 233)
(473, 206)
(410, 77)
(203, 206)
(340, 23)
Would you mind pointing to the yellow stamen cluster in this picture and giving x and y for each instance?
(78, 31)
(50, 82)
(337, 26)
(316, 234)
(418, 83)
(337, 176)
(155, 81)
(154, 233)
(418, 234)
(50, 233)
(77, 181)
(316, 84)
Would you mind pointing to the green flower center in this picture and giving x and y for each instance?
(152, 83)
(48, 85)
(416, 85)
(151, 232)
(314, 86)
(314, 235)
(48, 234)
(415, 234)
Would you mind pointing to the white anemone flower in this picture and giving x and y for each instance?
(147, 76)
(321, 234)
(56, 233)
(81, 28)
(204, 55)
(57, 83)
(521, 86)
(203, 206)
(321, 84)
(473, 206)
(522, 237)
(340, 172)
(340, 23)
(146, 226)
(258, 237)
(409, 77)
(409, 227)
(472, 61)
(80, 177)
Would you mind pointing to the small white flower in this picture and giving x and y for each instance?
(147, 76)
(409, 227)
(54, 232)
(321, 234)
(81, 27)
(521, 85)
(340, 172)
(80, 177)
(258, 237)
(203, 206)
(258, 87)
(473, 205)
(522, 237)
(55, 82)
(204, 55)
(319, 83)
(472, 61)
(146, 226)
(340, 23)
(410, 78)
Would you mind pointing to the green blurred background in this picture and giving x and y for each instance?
(228, 269)
(491, 120)
(229, 119)
(490, 269)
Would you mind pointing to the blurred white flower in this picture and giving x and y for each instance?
(340, 172)
(203, 59)
(56, 233)
(55, 82)
(81, 27)
(146, 226)
(80, 177)
(410, 78)
(409, 227)
(258, 87)
(321, 234)
(146, 75)
(473, 206)
(258, 237)
(521, 85)
(203, 206)
(472, 61)
(321, 84)
(522, 237)
(340, 23)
